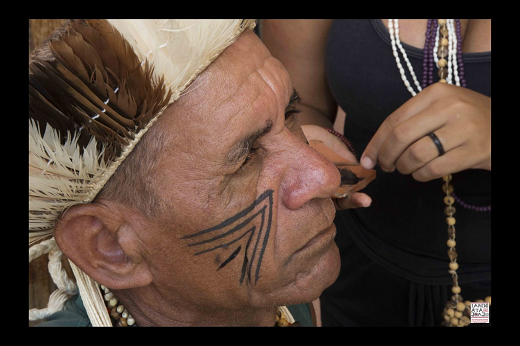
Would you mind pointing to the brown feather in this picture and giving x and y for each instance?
(93, 64)
(106, 53)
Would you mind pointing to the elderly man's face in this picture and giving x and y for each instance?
(246, 218)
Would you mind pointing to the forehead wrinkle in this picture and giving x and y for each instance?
(254, 107)
(274, 77)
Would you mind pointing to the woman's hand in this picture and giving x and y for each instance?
(356, 199)
(459, 117)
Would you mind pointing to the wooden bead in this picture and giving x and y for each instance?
(455, 321)
(442, 73)
(458, 314)
(444, 42)
(443, 81)
(450, 220)
(442, 62)
(450, 186)
(283, 322)
(115, 314)
(466, 313)
(447, 177)
(451, 243)
(456, 297)
(449, 210)
(467, 303)
(123, 322)
(443, 31)
(455, 289)
(450, 312)
(465, 320)
(442, 52)
(449, 200)
(452, 254)
(441, 21)
(451, 231)
(488, 300)
(454, 265)
(461, 306)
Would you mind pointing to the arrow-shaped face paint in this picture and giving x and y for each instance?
(243, 236)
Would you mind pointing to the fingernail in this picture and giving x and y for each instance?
(366, 162)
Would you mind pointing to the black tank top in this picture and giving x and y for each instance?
(404, 229)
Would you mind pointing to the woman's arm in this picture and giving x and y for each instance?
(300, 45)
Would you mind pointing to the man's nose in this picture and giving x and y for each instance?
(308, 175)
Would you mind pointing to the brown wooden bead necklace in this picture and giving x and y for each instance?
(457, 311)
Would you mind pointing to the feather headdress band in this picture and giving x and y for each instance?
(93, 94)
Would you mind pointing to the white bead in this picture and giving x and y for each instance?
(112, 302)
(109, 296)
(393, 27)
(130, 321)
(120, 308)
(125, 314)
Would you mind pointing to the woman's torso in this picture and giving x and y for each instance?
(406, 215)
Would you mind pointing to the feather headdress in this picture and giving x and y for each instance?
(95, 91)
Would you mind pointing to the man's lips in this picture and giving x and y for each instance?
(317, 244)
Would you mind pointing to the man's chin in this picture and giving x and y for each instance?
(323, 274)
(308, 283)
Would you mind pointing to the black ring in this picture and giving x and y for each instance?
(438, 144)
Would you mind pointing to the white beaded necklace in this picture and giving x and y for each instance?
(452, 66)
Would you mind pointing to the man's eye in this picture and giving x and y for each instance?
(291, 118)
(291, 115)
(250, 155)
(291, 110)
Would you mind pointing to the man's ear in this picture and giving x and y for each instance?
(103, 242)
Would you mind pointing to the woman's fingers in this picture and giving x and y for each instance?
(355, 200)
(461, 120)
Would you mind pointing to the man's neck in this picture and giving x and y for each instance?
(149, 308)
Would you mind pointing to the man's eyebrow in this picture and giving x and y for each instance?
(241, 148)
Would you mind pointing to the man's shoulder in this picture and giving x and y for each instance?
(73, 315)
(302, 314)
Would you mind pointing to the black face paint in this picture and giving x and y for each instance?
(250, 227)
